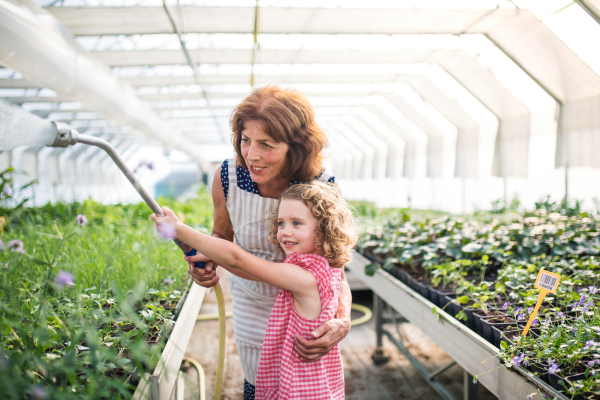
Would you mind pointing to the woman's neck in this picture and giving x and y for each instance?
(274, 188)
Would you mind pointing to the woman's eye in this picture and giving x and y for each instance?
(266, 146)
(245, 140)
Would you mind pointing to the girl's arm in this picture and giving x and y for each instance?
(285, 276)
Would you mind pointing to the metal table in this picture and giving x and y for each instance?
(463, 345)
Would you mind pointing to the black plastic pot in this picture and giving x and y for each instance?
(452, 306)
(553, 380)
(480, 314)
(541, 369)
(470, 322)
(498, 335)
(420, 287)
(486, 327)
(438, 296)
(401, 275)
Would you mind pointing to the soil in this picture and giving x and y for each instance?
(500, 319)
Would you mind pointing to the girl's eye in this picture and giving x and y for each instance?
(296, 223)
(281, 224)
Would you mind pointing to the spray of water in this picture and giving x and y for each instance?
(21, 128)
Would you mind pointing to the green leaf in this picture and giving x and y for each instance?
(371, 268)
(463, 299)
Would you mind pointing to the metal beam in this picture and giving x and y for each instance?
(34, 38)
(138, 20)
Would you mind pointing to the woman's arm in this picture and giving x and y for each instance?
(222, 228)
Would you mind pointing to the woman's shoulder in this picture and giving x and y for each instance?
(324, 176)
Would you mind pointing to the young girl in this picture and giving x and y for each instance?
(313, 227)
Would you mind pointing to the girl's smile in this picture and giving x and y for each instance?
(297, 226)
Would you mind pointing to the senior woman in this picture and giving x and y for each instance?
(277, 144)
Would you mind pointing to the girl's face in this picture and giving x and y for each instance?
(296, 227)
(264, 157)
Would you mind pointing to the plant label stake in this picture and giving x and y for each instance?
(547, 282)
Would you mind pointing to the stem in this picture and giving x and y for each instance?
(50, 267)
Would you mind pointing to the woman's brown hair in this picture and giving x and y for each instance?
(336, 234)
(286, 116)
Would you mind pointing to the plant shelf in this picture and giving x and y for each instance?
(462, 344)
(161, 384)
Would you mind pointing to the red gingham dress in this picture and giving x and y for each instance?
(281, 373)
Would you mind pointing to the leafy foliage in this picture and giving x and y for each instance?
(94, 338)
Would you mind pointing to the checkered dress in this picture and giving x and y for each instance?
(281, 373)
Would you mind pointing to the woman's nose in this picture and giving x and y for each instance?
(253, 153)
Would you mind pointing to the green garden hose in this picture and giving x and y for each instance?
(222, 337)
(366, 317)
(201, 382)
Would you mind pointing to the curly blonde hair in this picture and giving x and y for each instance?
(336, 234)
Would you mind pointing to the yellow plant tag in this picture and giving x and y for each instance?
(2, 222)
(547, 282)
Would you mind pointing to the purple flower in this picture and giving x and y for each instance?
(582, 299)
(517, 311)
(81, 219)
(520, 316)
(593, 289)
(547, 322)
(591, 363)
(529, 310)
(16, 245)
(64, 279)
(167, 230)
(579, 290)
(529, 396)
(587, 306)
(38, 393)
(505, 305)
(535, 321)
(574, 305)
(516, 361)
(561, 315)
(589, 344)
(168, 281)
(553, 369)
(150, 166)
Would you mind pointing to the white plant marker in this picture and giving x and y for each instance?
(547, 282)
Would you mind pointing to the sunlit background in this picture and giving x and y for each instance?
(429, 104)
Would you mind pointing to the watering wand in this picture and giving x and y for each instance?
(67, 136)
(18, 128)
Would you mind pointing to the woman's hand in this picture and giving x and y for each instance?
(168, 225)
(206, 277)
(326, 336)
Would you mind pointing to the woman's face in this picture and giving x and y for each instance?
(264, 157)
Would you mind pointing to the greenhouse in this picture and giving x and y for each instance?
(393, 199)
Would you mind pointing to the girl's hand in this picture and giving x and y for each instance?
(168, 225)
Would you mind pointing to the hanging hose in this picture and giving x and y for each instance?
(222, 335)
(201, 382)
(366, 317)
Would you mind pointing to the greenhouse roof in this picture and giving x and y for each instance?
(437, 78)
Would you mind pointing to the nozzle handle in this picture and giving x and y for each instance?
(197, 264)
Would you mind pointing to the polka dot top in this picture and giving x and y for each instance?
(245, 182)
